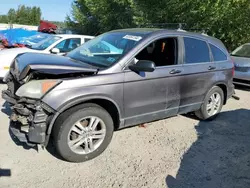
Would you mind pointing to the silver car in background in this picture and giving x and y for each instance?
(241, 57)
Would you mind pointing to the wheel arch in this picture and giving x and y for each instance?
(224, 89)
(223, 86)
(105, 102)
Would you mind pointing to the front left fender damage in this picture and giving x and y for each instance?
(29, 118)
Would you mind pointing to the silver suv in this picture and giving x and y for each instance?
(118, 79)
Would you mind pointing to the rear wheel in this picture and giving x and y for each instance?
(83, 134)
(212, 104)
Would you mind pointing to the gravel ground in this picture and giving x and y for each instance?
(174, 153)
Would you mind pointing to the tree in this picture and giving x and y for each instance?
(38, 15)
(11, 15)
(23, 15)
(227, 20)
(3, 19)
(97, 16)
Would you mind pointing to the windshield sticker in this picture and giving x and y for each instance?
(111, 59)
(131, 37)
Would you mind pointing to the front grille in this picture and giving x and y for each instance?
(242, 69)
(241, 81)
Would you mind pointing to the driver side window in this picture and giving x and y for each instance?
(68, 45)
(60, 45)
(163, 52)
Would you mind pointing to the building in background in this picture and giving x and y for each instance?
(9, 26)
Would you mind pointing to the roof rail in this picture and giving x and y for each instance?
(179, 29)
(165, 25)
(176, 26)
(199, 30)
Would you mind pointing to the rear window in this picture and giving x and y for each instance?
(196, 51)
(242, 51)
(218, 54)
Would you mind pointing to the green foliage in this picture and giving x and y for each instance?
(227, 20)
(97, 16)
(59, 24)
(3, 19)
(23, 15)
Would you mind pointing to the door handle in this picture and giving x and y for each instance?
(211, 68)
(174, 71)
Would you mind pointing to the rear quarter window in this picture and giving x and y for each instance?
(196, 51)
(217, 53)
(87, 39)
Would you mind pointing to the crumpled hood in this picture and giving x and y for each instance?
(48, 64)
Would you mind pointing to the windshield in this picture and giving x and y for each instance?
(34, 39)
(106, 49)
(242, 51)
(42, 45)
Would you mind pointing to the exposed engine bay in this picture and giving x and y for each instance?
(29, 115)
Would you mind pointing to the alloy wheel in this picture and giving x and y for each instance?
(214, 103)
(86, 135)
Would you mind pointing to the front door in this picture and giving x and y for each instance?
(154, 95)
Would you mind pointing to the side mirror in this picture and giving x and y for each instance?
(143, 66)
(55, 51)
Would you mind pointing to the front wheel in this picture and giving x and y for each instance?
(83, 134)
(212, 104)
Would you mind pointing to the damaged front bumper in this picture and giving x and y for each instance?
(29, 119)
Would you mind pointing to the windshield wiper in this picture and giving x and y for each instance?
(88, 62)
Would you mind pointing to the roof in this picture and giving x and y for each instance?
(157, 31)
(73, 35)
(138, 30)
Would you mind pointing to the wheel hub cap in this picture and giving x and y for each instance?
(86, 135)
(213, 105)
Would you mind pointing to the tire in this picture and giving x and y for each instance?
(63, 133)
(203, 113)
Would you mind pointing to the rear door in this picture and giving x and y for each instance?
(198, 73)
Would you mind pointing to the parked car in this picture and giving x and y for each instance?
(241, 57)
(55, 44)
(34, 39)
(78, 100)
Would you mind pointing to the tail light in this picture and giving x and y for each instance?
(233, 69)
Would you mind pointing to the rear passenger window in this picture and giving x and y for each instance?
(196, 51)
(217, 53)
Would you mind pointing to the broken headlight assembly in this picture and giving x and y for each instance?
(36, 89)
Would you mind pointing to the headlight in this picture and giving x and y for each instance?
(6, 68)
(36, 88)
